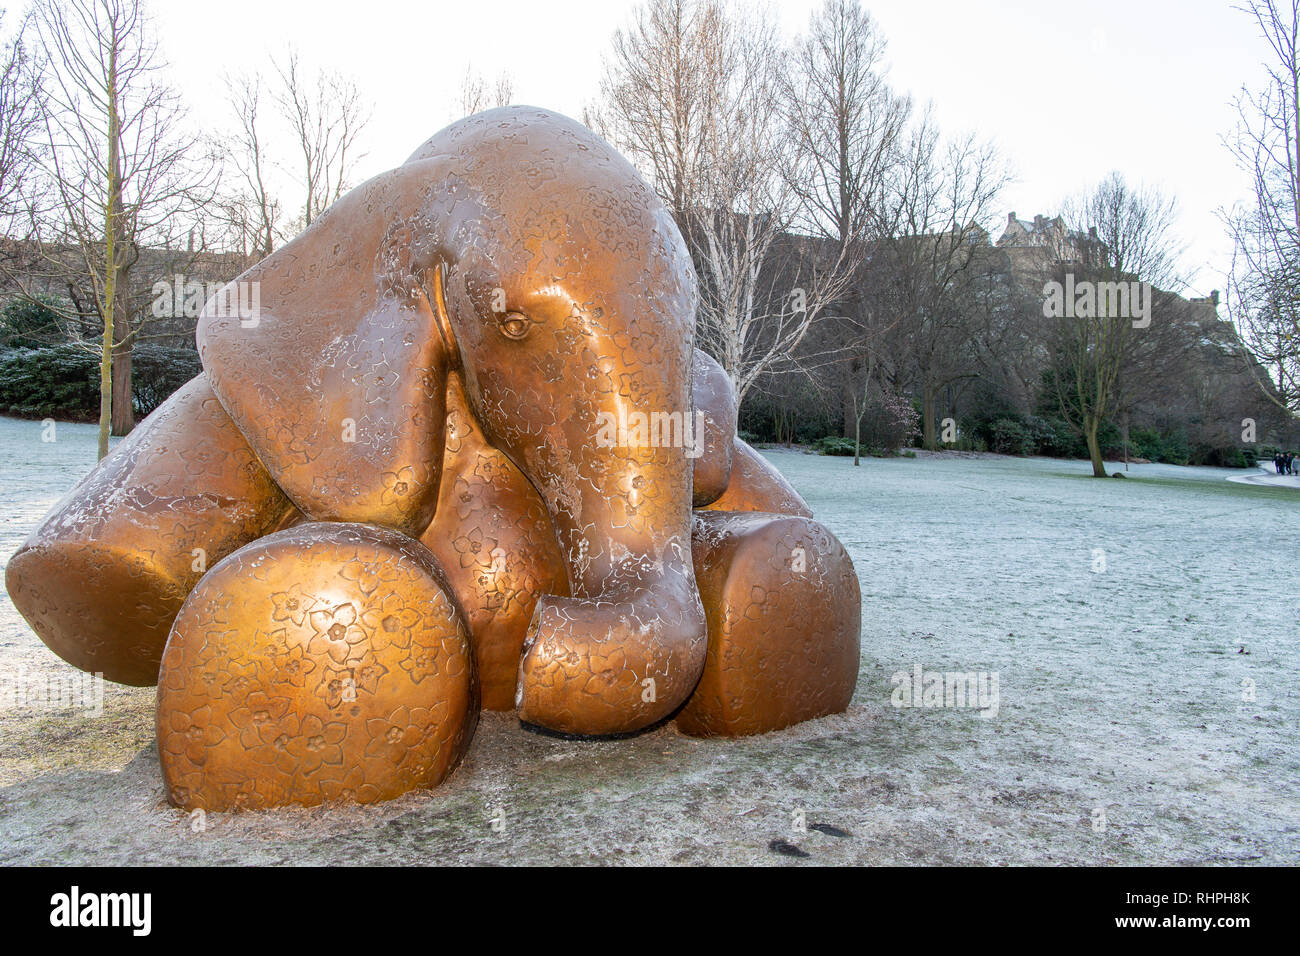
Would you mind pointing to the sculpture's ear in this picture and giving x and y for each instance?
(331, 356)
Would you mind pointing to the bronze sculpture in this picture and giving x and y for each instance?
(488, 349)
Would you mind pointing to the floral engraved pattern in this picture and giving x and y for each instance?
(784, 638)
(336, 635)
(348, 674)
(292, 605)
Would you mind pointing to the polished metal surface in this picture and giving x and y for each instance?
(784, 614)
(755, 485)
(325, 661)
(496, 546)
(520, 248)
(715, 400)
(467, 428)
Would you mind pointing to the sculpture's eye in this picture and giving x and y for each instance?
(515, 325)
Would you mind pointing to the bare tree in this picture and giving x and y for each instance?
(323, 116)
(1009, 347)
(692, 95)
(846, 126)
(1133, 242)
(660, 91)
(927, 267)
(1264, 284)
(251, 208)
(740, 207)
(475, 95)
(326, 114)
(18, 125)
(845, 123)
(117, 171)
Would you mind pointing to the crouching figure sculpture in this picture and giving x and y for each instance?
(464, 456)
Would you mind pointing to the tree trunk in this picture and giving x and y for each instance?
(849, 400)
(123, 410)
(1090, 429)
(930, 439)
(106, 378)
(1124, 430)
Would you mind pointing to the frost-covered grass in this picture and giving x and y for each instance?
(1124, 687)
(1121, 692)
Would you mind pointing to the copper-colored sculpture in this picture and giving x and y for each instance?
(488, 349)
(323, 661)
(784, 609)
(495, 544)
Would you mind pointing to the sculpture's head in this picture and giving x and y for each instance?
(521, 248)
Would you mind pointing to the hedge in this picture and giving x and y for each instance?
(62, 381)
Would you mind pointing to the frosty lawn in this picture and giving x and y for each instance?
(1110, 612)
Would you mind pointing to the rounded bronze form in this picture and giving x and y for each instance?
(337, 378)
(518, 247)
(715, 406)
(496, 547)
(327, 661)
(570, 296)
(756, 485)
(611, 667)
(784, 613)
(104, 575)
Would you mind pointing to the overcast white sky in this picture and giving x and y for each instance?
(1069, 91)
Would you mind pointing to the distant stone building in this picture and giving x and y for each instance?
(1045, 242)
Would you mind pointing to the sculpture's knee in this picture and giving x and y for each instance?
(784, 616)
(323, 662)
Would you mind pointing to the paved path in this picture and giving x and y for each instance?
(1265, 475)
